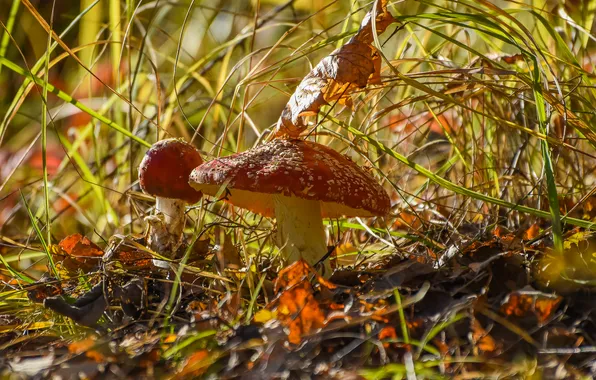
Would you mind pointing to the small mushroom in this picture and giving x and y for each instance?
(164, 172)
(299, 182)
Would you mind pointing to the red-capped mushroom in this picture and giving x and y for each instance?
(164, 172)
(298, 182)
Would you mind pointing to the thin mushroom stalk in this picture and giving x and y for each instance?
(173, 214)
(166, 225)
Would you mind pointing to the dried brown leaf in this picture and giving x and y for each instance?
(523, 303)
(136, 258)
(347, 69)
(77, 252)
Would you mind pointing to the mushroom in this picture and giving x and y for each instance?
(299, 182)
(164, 172)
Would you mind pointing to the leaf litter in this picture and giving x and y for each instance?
(453, 316)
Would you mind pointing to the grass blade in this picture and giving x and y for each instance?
(43, 242)
(12, 15)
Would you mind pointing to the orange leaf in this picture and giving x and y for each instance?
(532, 232)
(407, 221)
(292, 275)
(482, 339)
(85, 346)
(521, 304)
(387, 332)
(43, 290)
(297, 308)
(81, 253)
(196, 364)
(135, 258)
(544, 307)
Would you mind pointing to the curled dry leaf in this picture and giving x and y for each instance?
(347, 69)
(77, 252)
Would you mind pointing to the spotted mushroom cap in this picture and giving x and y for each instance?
(293, 168)
(164, 170)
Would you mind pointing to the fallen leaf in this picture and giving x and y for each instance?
(263, 316)
(136, 259)
(512, 58)
(77, 252)
(297, 308)
(86, 346)
(300, 312)
(387, 333)
(523, 303)
(578, 237)
(544, 307)
(407, 221)
(292, 275)
(500, 231)
(196, 364)
(43, 290)
(336, 77)
(532, 232)
(482, 340)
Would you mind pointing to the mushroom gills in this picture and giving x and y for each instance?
(300, 231)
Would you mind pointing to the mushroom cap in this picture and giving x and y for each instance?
(293, 168)
(164, 170)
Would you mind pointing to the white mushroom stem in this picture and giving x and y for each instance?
(167, 225)
(173, 211)
(300, 232)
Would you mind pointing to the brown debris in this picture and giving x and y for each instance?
(335, 79)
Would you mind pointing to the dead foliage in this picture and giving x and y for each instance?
(479, 312)
(338, 76)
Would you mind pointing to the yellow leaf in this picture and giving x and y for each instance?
(263, 316)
